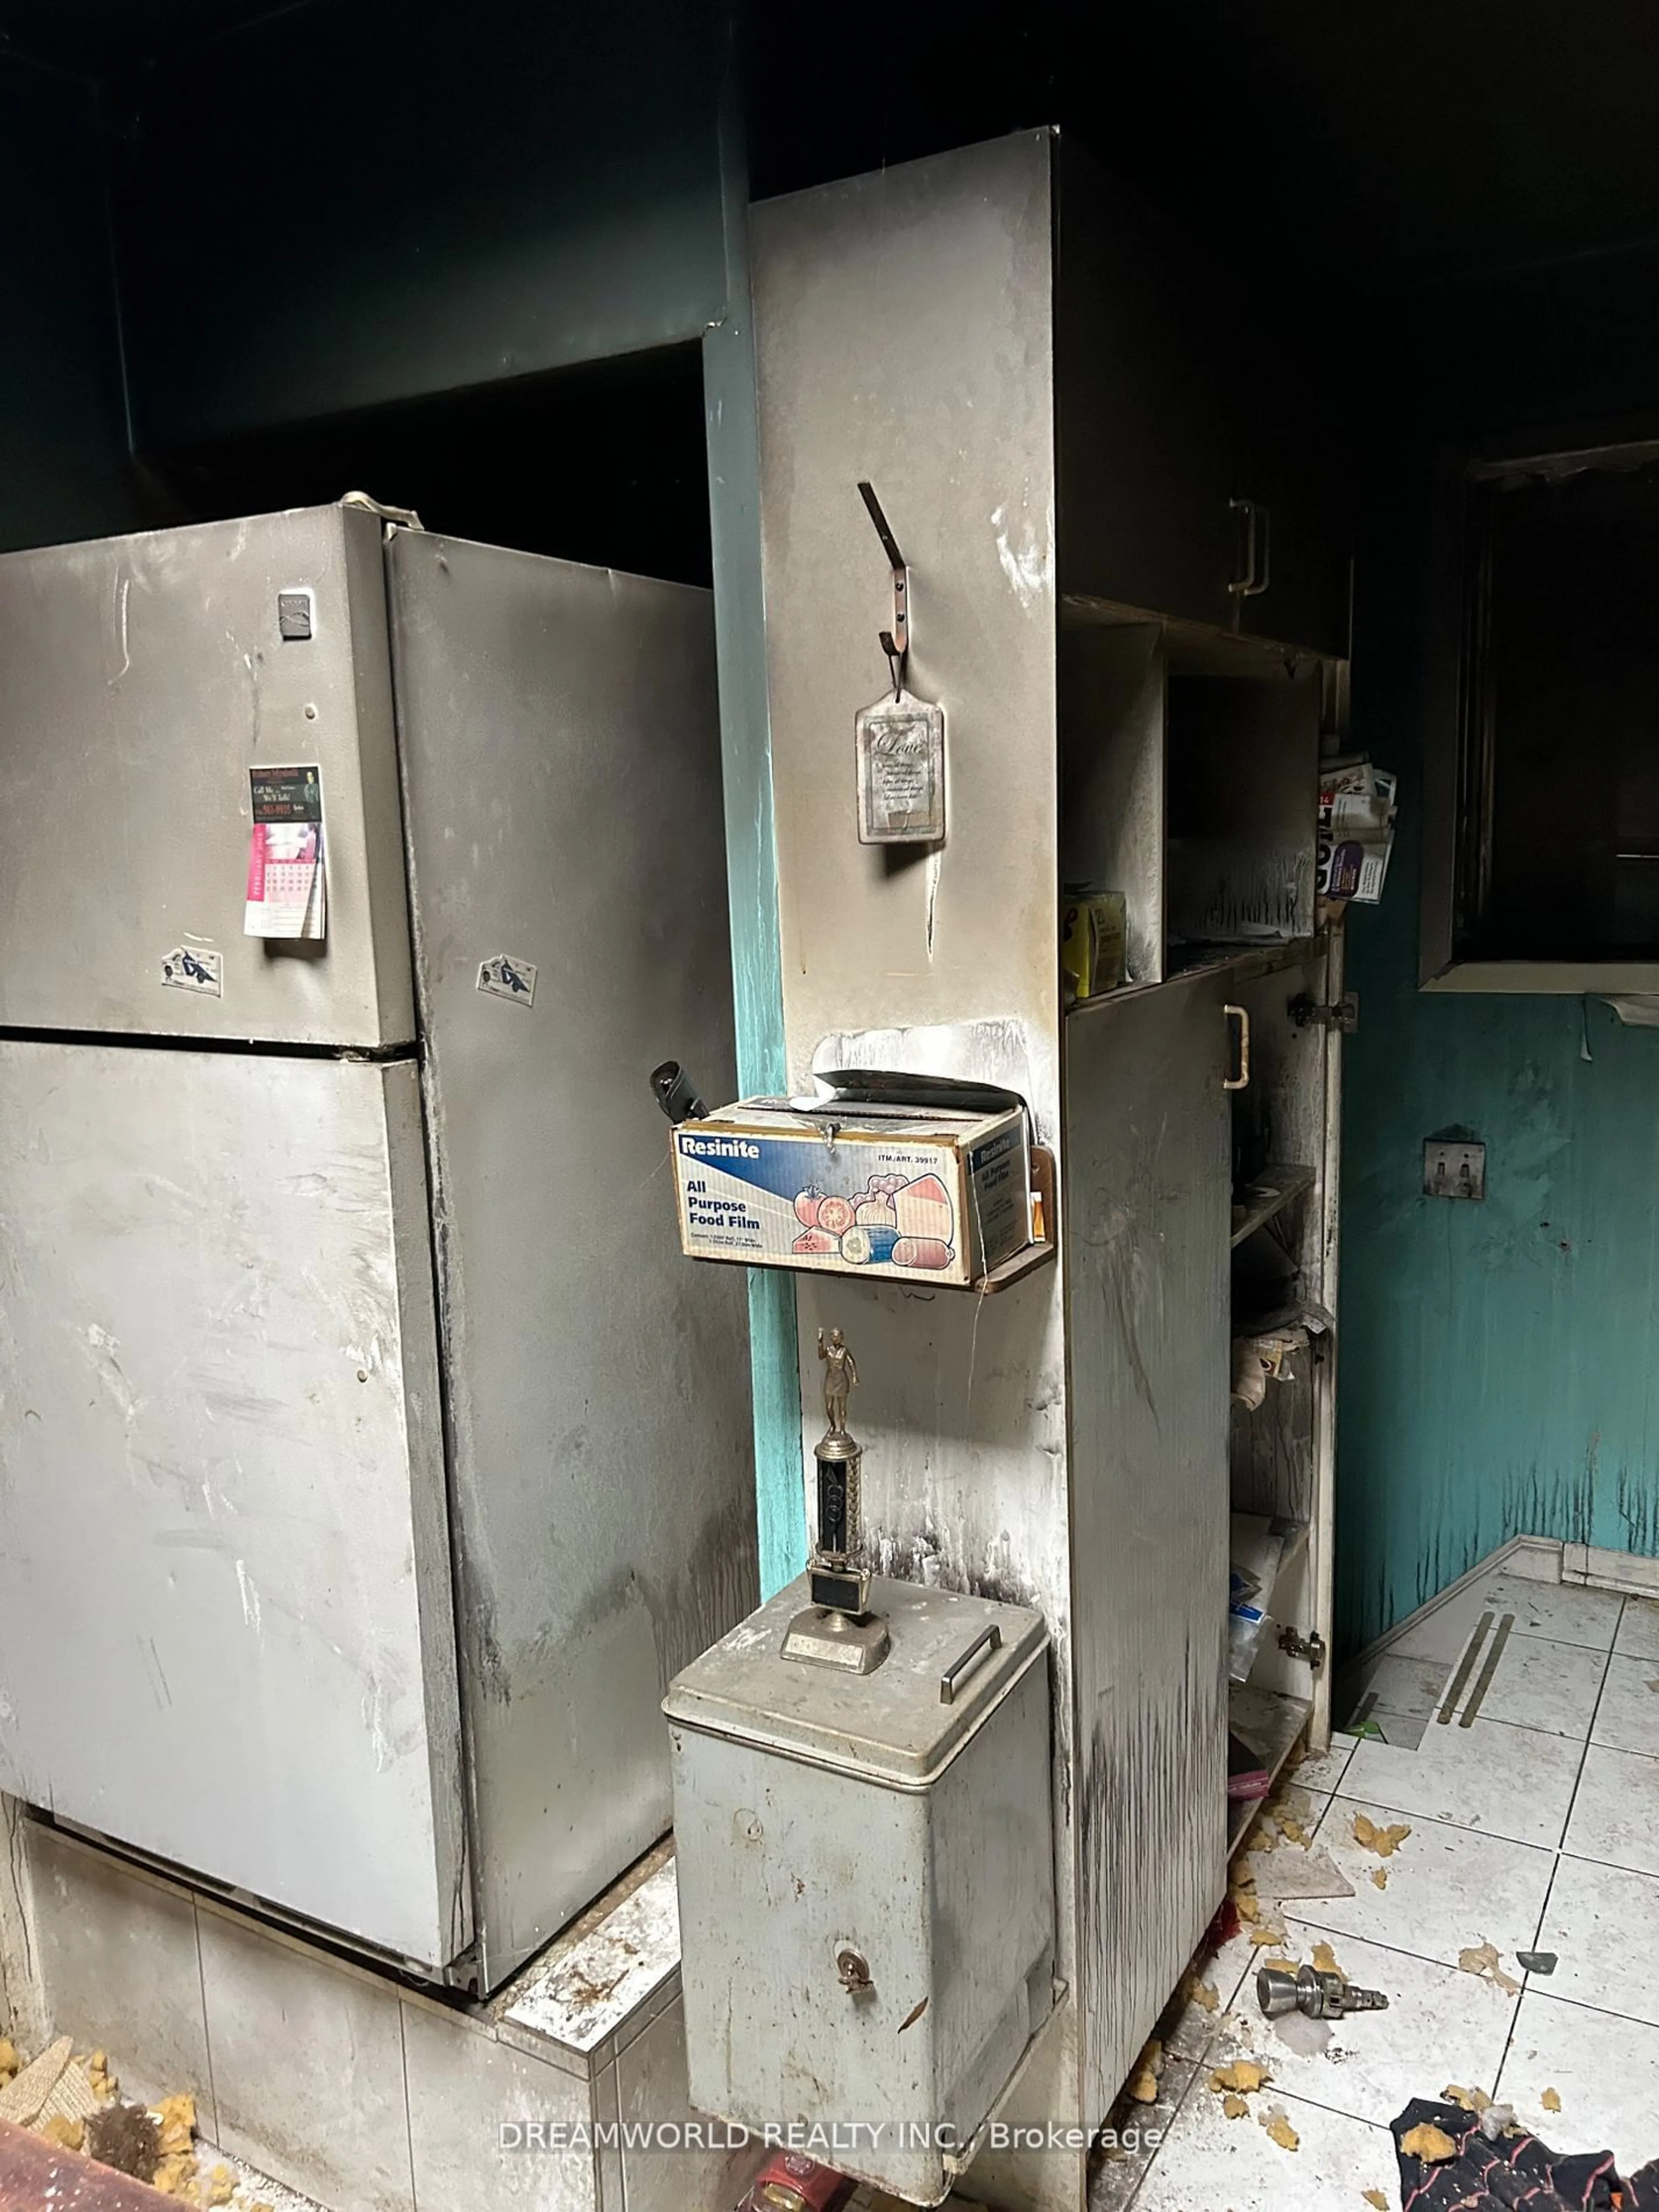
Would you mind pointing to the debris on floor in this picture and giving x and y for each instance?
(1429, 2144)
(1471, 2100)
(1452, 2159)
(127, 2137)
(24, 2099)
(1142, 2081)
(1258, 1914)
(1496, 2121)
(72, 2101)
(1243, 2078)
(1279, 2131)
(1334, 2079)
(1290, 1813)
(1293, 1875)
(1482, 1959)
(1385, 1842)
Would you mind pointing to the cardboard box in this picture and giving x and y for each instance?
(910, 1194)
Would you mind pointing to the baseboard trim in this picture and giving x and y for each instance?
(1535, 1558)
(1539, 1559)
(1626, 1572)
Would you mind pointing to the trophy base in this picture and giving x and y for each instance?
(855, 1643)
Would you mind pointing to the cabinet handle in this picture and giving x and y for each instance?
(1240, 1081)
(1258, 550)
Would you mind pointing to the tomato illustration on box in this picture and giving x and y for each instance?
(911, 1224)
(888, 1191)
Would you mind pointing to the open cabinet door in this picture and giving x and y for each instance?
(1146, 1175)
(1281, 1448)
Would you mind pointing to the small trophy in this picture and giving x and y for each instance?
(837, 1629)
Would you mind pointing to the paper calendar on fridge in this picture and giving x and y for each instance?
(287, 879)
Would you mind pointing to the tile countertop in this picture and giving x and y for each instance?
(584, 1989)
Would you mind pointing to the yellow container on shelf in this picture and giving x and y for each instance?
(1093, 942)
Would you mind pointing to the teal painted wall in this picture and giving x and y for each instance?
(350, 204)
(1499, 1361)
(732, 402)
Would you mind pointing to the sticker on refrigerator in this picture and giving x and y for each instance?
(194, 967)
(508, 979)
(286, 881)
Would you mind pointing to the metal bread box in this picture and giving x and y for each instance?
(867, 1877)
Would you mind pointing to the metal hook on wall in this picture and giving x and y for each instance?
(895, 642)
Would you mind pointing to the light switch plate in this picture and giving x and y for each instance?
(1453, 1167)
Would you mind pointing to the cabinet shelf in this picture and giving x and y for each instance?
(1012, 1270)
(1209, 642)
(1237, 963)
(1275, 1187)
(1270, 1722)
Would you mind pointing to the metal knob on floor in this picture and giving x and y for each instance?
(1320, 1995)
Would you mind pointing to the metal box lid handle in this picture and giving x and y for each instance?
(988, 1639)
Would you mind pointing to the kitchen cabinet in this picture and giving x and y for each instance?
(1201, 471)
(1047, 407)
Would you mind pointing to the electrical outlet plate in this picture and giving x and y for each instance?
(1453, 1167)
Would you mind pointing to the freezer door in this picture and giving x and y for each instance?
(561, 755)
(140, 679)
(225, 1634)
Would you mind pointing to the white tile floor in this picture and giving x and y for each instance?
(1535, 1827)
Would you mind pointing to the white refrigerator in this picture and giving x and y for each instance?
(369, 1459)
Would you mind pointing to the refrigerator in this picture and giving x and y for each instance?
(370, 1461)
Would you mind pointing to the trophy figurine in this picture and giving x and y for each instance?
(837, 1629)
